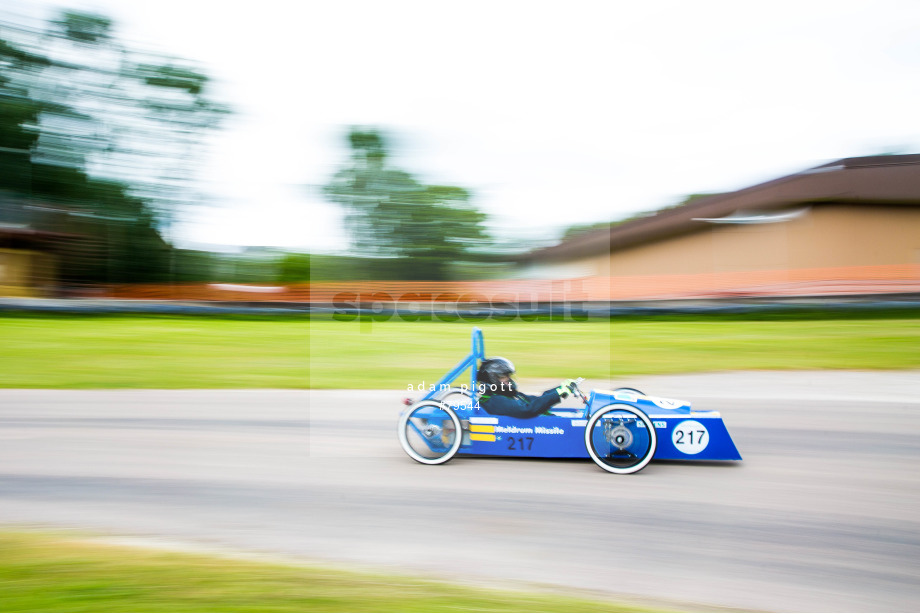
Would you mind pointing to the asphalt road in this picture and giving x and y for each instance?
(823, 514)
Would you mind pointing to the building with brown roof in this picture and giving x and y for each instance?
(28, 266)
(853, 223)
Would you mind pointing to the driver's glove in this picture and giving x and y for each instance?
(565, 389)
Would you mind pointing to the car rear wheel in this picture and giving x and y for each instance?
(430, 432)
(620, 438)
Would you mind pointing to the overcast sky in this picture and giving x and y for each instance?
(551, 113)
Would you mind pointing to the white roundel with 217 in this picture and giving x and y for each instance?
(690, 437)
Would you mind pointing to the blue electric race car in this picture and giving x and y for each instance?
(621, 430)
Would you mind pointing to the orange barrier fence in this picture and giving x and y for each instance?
(838, 281)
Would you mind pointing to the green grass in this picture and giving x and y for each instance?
(153, 352)
(46, 573)
(199, 352)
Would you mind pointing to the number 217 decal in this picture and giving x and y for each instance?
(520, 443)
(690, 437)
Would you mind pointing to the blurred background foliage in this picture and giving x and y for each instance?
(276, 266)
(416, 231)
(98, 146)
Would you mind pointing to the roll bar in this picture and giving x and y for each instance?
(476, 356)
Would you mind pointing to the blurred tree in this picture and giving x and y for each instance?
(18, 112)
(416, 231)
(294, 268)
(100, 141)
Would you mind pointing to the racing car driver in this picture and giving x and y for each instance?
(499, 394)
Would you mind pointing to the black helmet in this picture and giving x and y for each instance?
(489, 373)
